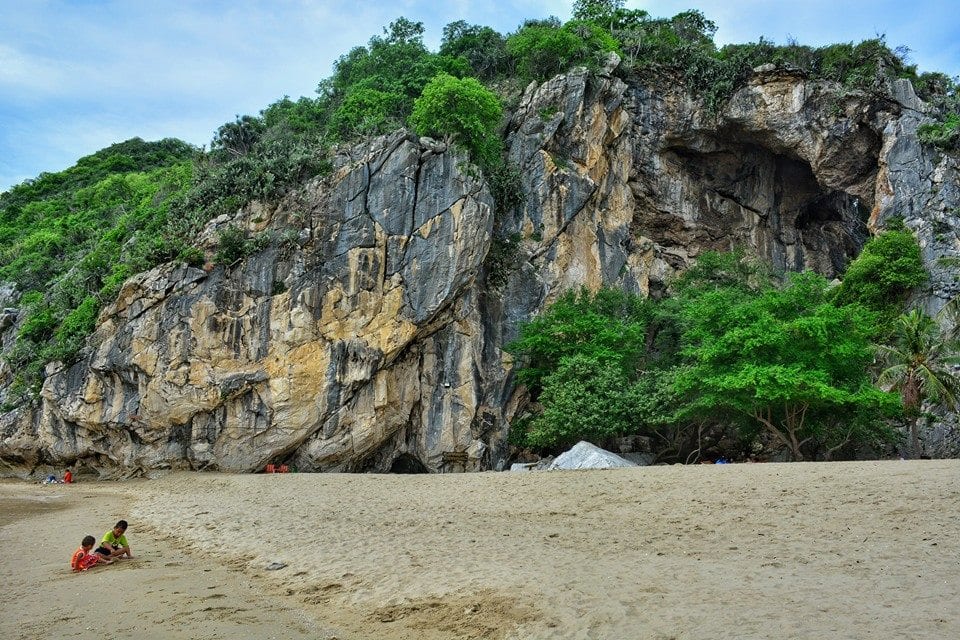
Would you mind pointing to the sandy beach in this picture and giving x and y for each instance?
(811, 550)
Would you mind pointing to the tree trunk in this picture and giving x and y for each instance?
(911, 406)
(914, 438)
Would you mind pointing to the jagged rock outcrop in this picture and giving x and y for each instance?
(365, 336)
(351, 335)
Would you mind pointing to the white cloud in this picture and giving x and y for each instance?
(20, 71)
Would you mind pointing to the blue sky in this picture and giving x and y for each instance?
(76, 76)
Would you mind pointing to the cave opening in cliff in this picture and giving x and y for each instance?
(744, 194)
(407, 464)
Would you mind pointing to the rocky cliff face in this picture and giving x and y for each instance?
(365, 336)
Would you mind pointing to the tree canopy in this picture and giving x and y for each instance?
(787, 361)
(733, 349)
(888, 268)
(463, 109)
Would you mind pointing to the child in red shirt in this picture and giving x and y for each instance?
(83, 559)
(68, 477)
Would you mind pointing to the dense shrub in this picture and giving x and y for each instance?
(944, 134)
(133, 155)
(373, 88)
(542, 48)
(69, 252)
(462, 109)
(884, 274)
(582, 359)
(305, 116)
(585, 398)
(731, 350)
(683, 46)
(483, 48)
(608, 326)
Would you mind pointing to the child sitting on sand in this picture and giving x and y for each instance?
(83, 559)
(114, 543)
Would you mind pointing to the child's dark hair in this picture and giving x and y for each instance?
(88, 541)
(122, 525)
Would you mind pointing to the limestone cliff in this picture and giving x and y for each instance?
(365, 336)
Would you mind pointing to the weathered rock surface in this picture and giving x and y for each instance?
(339, 350)
(364, 336)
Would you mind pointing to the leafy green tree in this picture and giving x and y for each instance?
(483, 48)
(619, 22)
(581, 360)
(305, 116)
(585, 398)
(884, 274)
(542, 48)
(919, 367)
(785, 361)
(373, 88)
(598, 11)
(608, 326)
(367, 111)
(731, 271)
(239, 137)
(462, 109)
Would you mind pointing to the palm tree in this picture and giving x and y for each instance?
(918, 366)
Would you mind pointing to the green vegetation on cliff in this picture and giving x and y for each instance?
(464, 110)
(734, 362)
(887, 271)
(69, 239)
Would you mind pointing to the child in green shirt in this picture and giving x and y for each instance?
(114, 543)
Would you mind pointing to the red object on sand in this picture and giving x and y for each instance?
(270, 469)
(68, 478)
(81, 560)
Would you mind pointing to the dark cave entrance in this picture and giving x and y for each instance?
(407, 464)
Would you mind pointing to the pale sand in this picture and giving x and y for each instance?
(813, 550)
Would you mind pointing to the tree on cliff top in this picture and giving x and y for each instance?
(373, 88)
(462, 109)
(542, 48)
